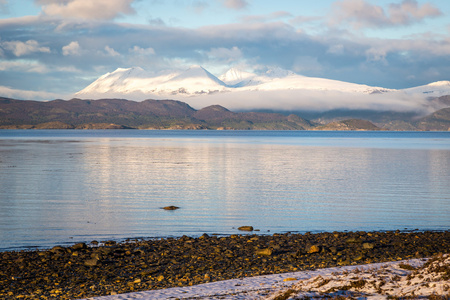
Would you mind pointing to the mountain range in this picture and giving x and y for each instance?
(274, 90)
(170, 114)
(274, 99)
(198, 81)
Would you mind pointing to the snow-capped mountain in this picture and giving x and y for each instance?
(198, 81)
(434, 89)
(236, 78)
(275, 89)
(195, 80)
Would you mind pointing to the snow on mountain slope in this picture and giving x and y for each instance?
(125, 81)
(299, 82)
(195, 80)
(434, 89)
(236, 78)
(275, 89)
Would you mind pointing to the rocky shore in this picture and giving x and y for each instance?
(83, 271)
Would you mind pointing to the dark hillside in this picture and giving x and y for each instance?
(77, 112)
(439, 120)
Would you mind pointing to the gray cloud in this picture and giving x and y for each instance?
(88, 49)
(235, 4)
(226, 55)
(362, 14)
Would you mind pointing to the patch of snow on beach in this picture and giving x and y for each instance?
(409, 278)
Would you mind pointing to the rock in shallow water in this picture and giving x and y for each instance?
(171, 207)
(246, 228)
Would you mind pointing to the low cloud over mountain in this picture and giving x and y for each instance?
(274, 89)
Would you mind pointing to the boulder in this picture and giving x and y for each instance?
(79, 246)
(246, 228)
(314, 249)
(171, 207)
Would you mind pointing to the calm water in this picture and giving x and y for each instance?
(66, 186)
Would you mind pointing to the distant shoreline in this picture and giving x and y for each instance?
(119, 127)
(172, 114)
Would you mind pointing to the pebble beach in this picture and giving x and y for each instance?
(105, 268)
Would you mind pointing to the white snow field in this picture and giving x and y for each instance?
(275, 89)
(408, 278)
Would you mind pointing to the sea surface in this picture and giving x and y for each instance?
(59, 187)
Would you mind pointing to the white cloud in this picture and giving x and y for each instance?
(235, 4)
(19, 48)
(85, 9)
(142, 51)
(111, 52)
(21, 65)
(26, 95)
(362, 14)
(311, 100)
(73, 48)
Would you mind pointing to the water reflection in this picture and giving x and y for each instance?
(114, 188)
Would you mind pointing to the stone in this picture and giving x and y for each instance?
(368, 246)
(358, 257)
(266, 252)
(352, 240)
(185, 261)
(290, 279)
(171, 207)
(58, 249)
(246, 228)
(91, 262)
(79, 246)
(204, 236)
(313, 249)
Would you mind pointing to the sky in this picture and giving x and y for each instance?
(54, 48)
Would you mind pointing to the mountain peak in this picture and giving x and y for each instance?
(197, 75)
(236, 77)
(277, 72)
(196, 67)
(235, 85)
(440, 83)
(128, 70)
